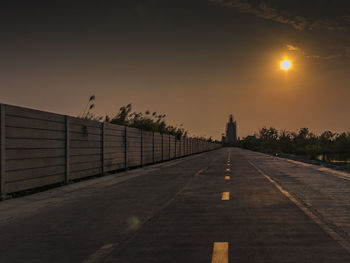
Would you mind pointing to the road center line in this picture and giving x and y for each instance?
(227, 177)
(220, 252)
(100, 254)
(225, 196)
(228, 169)
(344, 243)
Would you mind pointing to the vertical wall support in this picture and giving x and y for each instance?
(186, 146)
(189, 146)
(67, 153)
(192, 146)
(126, 147)
(182, 146)
(2, 151)
(169, 145)
(102, 148)
(162, 148)
(153, 156)
(141, 147)
(175, 147)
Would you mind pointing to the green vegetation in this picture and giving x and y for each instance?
(87, 110)
(146, 121)
(303, 142)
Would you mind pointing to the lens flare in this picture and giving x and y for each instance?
(133, 222)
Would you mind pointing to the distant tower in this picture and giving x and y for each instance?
(231, 131)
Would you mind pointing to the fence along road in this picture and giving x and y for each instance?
(175, 212)
(40, 148)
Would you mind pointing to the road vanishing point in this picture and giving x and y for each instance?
(227, 205)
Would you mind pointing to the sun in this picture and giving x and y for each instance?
(286, 64)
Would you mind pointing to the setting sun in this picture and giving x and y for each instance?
(286, 64)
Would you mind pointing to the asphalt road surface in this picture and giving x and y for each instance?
(228, 205)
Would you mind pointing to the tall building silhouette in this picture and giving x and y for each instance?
(231, 132)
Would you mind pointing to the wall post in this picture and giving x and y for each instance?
(185, 146)
(169, 145)
(126, 147)
(102, 148)
(153, 157)
(162, 147)
(141, 147)
(192, 146)
(2, 151)
(67, 153)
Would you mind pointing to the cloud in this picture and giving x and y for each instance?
(329, 57)
(302, 52)
(291, 47)
(330, 26)
(333, 18)
(262, 10)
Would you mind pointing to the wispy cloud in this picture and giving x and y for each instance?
(263, 10)
(302, 52)
(291, 47)
(333, 22)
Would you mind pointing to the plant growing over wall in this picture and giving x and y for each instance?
(146, 121)
(149, 121)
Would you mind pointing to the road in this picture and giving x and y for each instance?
(228, 205)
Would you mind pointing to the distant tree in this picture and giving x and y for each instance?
(251, 142)
(302, 142)
(342, 143)
(268, 139)
(326, 142)
(285, 142)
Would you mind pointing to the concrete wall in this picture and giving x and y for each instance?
(40, 148)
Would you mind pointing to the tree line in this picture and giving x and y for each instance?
(300, 142)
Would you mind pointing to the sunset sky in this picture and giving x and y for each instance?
(195, 60)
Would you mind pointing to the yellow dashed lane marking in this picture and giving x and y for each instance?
(108, 246)
(228, 169)
(220, 252)
(225, 196)
(227, 177)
